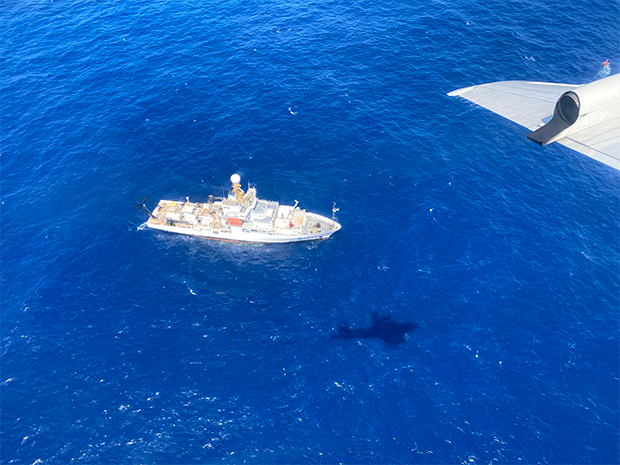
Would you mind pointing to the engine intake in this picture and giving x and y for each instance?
(565, 114)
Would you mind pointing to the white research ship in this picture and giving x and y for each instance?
(239, 217)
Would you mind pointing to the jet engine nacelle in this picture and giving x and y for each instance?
(581, 108)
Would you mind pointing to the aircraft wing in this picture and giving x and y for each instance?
(584, 118)
(525, 103)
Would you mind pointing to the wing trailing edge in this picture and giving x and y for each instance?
(585, 118)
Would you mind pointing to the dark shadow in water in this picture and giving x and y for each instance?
(383, 327)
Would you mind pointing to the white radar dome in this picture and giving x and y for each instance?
(235, 179)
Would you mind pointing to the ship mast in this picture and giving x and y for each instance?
(334, 210)
(239, 194)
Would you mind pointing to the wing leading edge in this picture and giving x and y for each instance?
(584, 118)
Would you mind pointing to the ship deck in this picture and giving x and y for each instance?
(265, 221)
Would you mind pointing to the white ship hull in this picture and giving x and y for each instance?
(241, 234)
(240, 217)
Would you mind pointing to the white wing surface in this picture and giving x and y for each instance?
(584, 118)
(525, 103)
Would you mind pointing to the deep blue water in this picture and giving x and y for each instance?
(499, 258)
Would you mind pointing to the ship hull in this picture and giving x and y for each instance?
(236, 234)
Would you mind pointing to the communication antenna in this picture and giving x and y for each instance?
(239, 194)
(334, 210)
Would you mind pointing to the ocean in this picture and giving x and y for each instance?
(467, 312)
